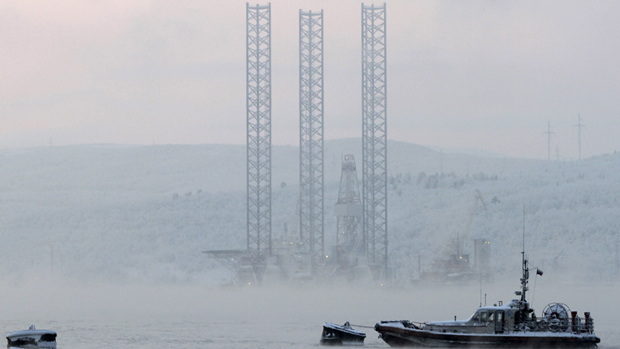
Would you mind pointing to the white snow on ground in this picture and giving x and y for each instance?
(145, 213)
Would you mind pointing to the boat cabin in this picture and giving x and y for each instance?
(486, 320)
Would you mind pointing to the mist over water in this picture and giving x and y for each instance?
(270, 316)
(104, 244)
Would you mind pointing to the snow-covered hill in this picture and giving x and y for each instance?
(145, 213)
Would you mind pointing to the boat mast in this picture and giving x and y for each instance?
(525, 270)
(524, 278)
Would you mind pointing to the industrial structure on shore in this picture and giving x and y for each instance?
(362, 236)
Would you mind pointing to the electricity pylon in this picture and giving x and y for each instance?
(549, 133)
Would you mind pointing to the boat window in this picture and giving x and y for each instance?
(483, 317)
(48, 337)
(491, 317)
(475, 317)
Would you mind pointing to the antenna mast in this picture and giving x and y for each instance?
(525, 270)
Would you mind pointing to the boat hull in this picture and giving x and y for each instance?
(395, 334)
(341, 335)
(32, 338)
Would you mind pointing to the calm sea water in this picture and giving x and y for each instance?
(187, 334)
(265, 317)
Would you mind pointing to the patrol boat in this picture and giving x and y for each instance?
(502, 325)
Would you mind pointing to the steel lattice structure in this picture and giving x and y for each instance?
(311, 133)
(374, 136)
(348, 212)
(258, 65)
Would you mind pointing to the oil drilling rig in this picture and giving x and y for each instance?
(350, 242)
(362, 237)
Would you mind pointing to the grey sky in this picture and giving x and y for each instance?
(461, 74)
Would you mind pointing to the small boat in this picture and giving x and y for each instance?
(511, 325)
(341, 335)
(31, 338)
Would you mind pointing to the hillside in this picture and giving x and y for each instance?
(145, 213)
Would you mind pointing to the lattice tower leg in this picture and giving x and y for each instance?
(374, 137)
(258, 58)
(311, 134)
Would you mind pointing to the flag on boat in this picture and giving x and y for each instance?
(539, 272)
